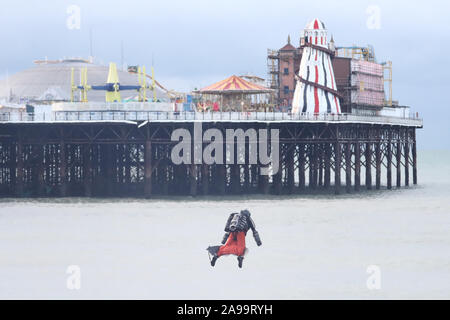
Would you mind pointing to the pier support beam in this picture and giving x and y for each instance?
(235, 178)
(337, 167)
(71, 168)
(254, 177)
(111, 169)
(164, 174)
(62, 166)
(327, 166)
(357, 166)
(192, 179)
(399, 159)
(348, 167)
(264, 181)
(185, 172)
(246, 178)
(148, 169)
(49, 164)
(309, 152)
(19, 178)
(205, 179)
(246, 167)
(320, 165)
(389, 161)
(120, 165)
(247, 181)
(12, 167)
(313, 166)
(38, 150)
(368, 157)
(193, 176)
(178, 177)
(127, 183)
(290, 169)
(301, 167)
(221, 179)
(378, 164)
(406, 158)
(310, 165)
(87, 170)
(414, 156)
(316, 165)
(277, 176)
(221, 172)
(277, 183)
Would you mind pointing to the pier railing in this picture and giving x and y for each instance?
(78, 116)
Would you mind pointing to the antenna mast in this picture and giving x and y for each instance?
(90, 43)
(121, 55)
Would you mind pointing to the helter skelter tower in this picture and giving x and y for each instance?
(315, 90)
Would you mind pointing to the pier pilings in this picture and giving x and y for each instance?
(124, 159)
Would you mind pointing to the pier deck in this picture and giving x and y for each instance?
(77, 116)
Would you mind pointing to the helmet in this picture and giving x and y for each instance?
(245, 212)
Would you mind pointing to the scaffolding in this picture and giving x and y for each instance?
(273, 71)
(358, 53)
(388, 66)
(368, 78)
(367, 83)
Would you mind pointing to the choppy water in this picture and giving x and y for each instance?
(313, 246)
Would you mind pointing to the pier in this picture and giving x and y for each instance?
(128, 154)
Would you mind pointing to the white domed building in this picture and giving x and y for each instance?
(50, 80)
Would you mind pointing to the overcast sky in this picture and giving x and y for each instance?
(195, 43)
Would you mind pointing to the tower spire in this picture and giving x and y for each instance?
(331, 45)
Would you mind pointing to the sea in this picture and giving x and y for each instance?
(377, 244)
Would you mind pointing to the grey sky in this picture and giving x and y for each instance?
(195, 43)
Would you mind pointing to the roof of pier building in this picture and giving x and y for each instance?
(234, 84)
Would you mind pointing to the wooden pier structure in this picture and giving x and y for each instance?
(131, 157)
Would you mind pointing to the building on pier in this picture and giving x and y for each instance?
(235, 94)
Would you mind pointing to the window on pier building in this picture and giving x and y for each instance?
(286, 70)
(286, 89)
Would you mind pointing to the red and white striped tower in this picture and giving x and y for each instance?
(315, 90)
